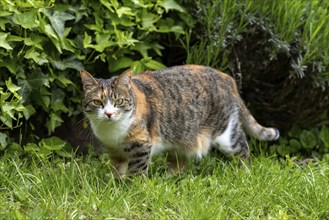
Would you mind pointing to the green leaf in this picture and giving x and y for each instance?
(102, 42)
(50, 31)
(58, 20)
(27, 19)
(53, 143)
(167, 26)
(7, 120)
(34, 41)
(122, 62)
(64, 79)
(152, 64)
(68, 63)
(29, 110)
(4, 95)
(324, 136)
(137, 67)
(31, 147)
(53, 122)
(110, 5)
(295, 131)
(124, 11)
(3, 42)
(63, 153)
(87, 40)
(36, 56)
(142, 48)
(172, 5)
(294, 146)
(308, 139)
(283, 150)
(11, 87)
(37, 79)
(3, 141)
(25, 90)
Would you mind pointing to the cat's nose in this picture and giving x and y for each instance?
(108, 114)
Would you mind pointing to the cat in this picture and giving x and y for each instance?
(182, 111)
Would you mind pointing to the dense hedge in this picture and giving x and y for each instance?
(44, 44)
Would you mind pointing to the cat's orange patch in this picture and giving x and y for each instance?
(203, 143)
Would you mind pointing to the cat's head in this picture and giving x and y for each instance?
(107, 100)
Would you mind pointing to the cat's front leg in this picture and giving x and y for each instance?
(139, 155)
(119, 166)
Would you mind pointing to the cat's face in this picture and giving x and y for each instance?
(107, 100)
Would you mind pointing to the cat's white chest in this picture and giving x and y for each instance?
(111, 134)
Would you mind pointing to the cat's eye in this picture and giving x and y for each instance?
(119, 102)
(98, 102)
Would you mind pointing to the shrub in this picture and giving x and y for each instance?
(43, 45)
(277, 51)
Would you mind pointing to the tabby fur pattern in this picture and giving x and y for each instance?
(182, 111)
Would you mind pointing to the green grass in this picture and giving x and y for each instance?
(83, 188)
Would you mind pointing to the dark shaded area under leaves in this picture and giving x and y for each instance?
(275, 97)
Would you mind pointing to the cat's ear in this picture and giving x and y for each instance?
(88, 81)
(124, 80)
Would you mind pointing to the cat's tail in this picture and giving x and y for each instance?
(254, 129)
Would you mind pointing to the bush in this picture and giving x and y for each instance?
(43, 45)
(277, 51)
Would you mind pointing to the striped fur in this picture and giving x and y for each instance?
(182, 111)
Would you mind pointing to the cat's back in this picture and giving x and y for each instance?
(186, 78)
(182, 100)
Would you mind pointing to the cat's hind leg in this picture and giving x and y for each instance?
(176, 163)
(232, 141)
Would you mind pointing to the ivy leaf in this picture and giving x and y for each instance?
(25, 90)
(122, 62)
(27, 19)
(4, 95)
(36, 56)
(124, 11)
(34, 41)
(64, 79)
(102, 41)
(58, 20)
(110, 5)
(53, 122)
(11, 87)
(172, 5)
(167, 26)
(29, 110)
(7, 120)
(3, 42)
(86, 40)
(68, 63)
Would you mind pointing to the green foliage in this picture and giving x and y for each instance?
(313, 142)
(276, 50)
(224, 23)
(44, 44)
(12, 109)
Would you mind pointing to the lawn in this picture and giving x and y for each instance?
(83, 188)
